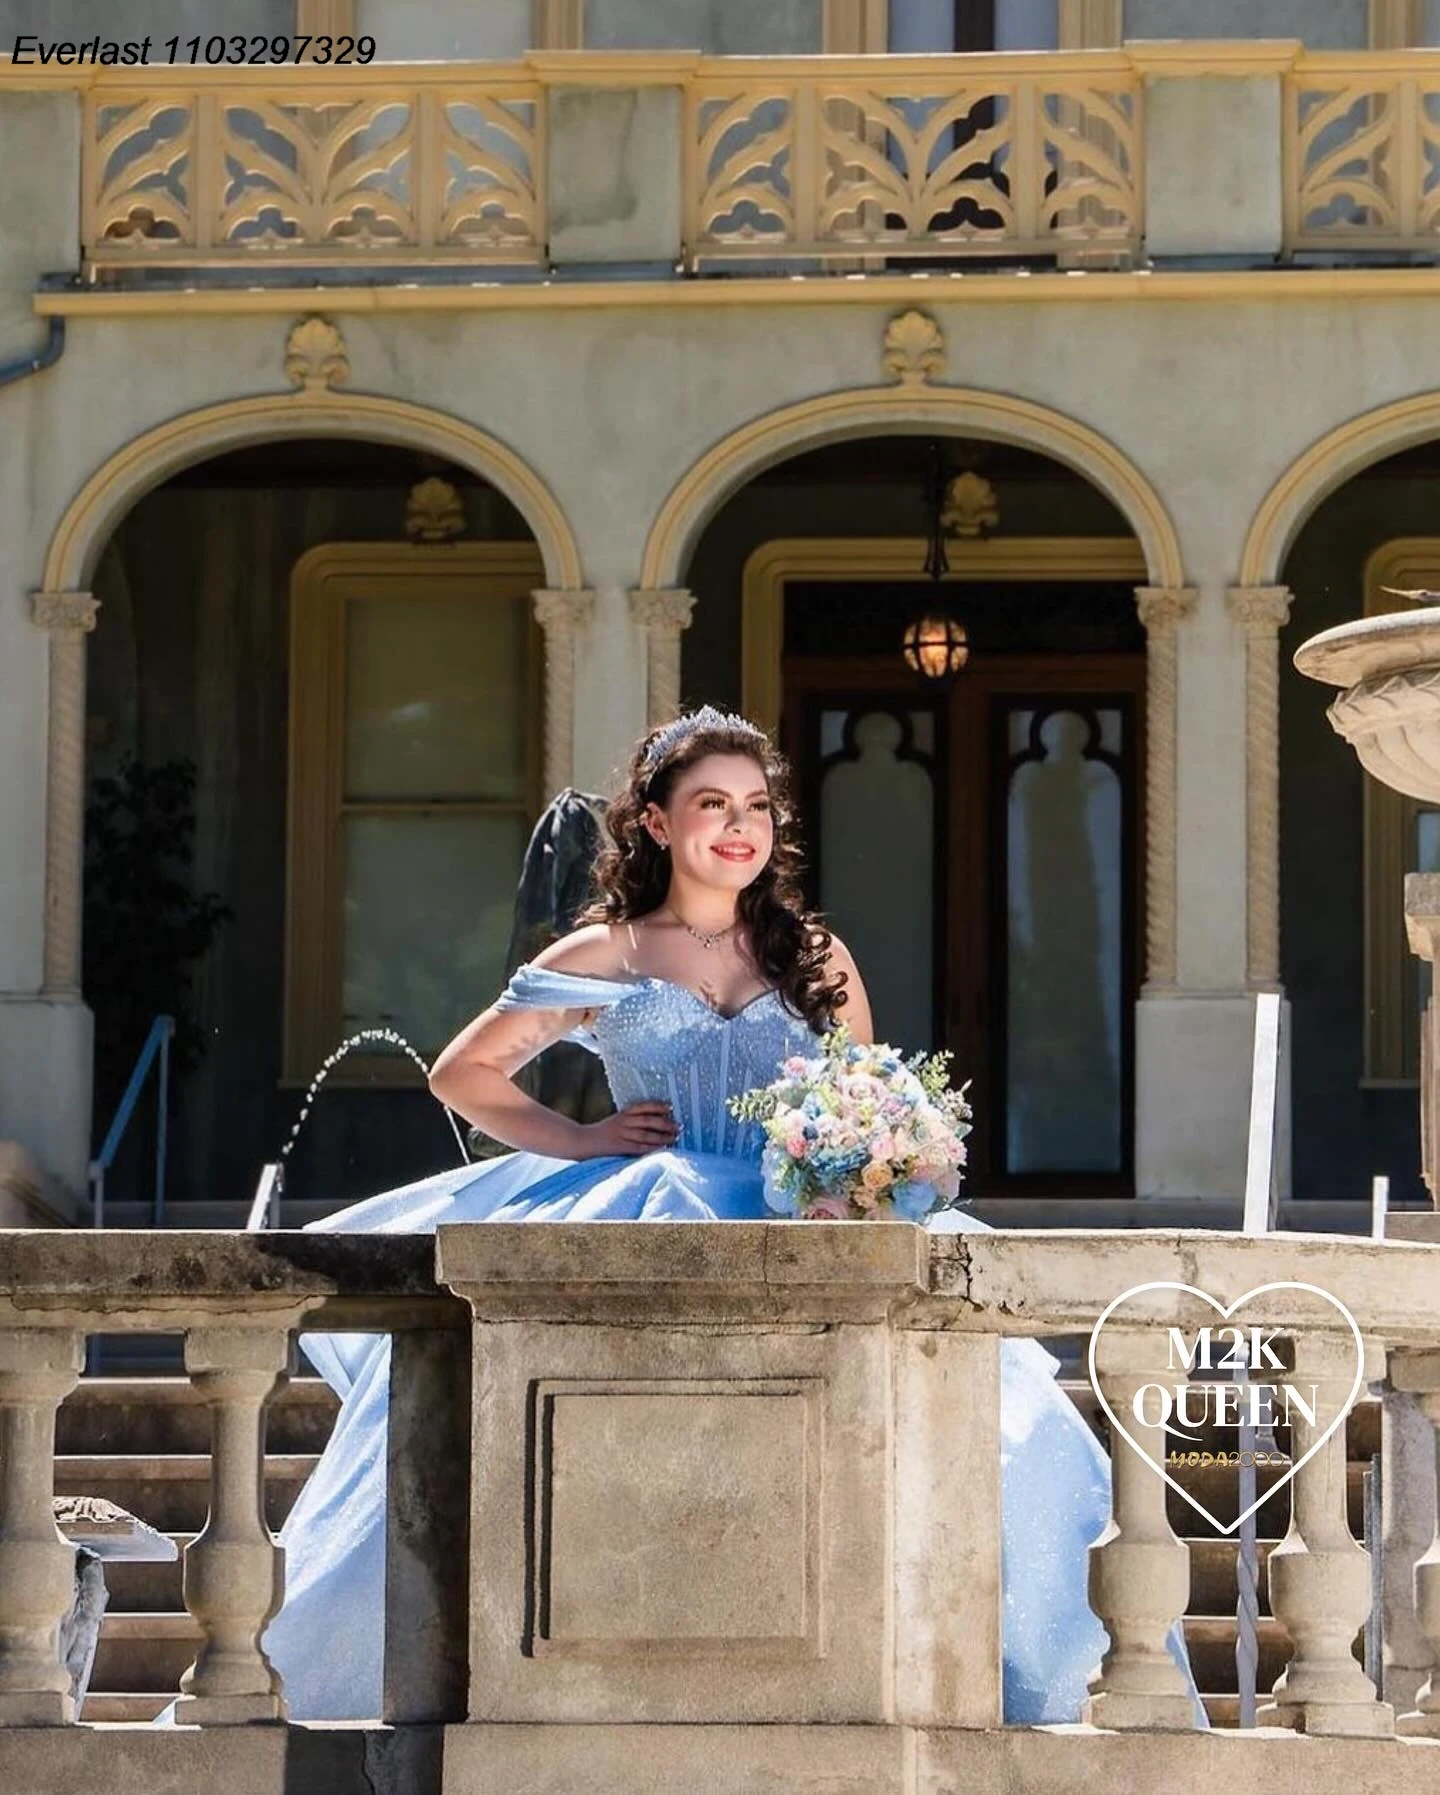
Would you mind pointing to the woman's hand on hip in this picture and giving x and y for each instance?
(638, 1128)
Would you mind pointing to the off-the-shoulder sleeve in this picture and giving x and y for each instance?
(542, 988)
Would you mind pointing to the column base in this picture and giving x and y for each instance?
(1418, 1725)
(39, 1707)
(1349, 1720)
(47, 1051)
(1193, 1060)
(1116, 1711)
(228, 1710)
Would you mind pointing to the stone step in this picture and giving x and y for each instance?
(171, 1491)
(130, 1706)
(143, 1654)
(1214, 1487)
(137, 1587)
(131, 1415)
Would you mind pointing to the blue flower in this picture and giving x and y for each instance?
(913, 1199)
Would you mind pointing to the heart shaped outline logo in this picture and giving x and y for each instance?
(1225, 1313)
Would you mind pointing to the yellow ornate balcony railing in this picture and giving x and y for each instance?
(386, 165)
(913, 156)
(1362, 152)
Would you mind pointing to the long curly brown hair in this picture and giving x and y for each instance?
(788, 943)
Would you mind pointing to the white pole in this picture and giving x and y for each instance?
(1379, 1204)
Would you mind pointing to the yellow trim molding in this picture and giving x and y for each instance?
(321, 582)
(1194, 56)
(147, 460)
(1326, 465)
(897, 411)
(862, 558)
(1018, 287)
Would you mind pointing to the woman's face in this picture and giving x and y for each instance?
(717, 821)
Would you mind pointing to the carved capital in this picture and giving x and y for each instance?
(662, 608)
(316, 358)
(914, 349)
(563, 612)
(1162, 607)
(1259, 607)
(64, 610)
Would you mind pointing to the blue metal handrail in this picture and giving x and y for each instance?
(157, 1042)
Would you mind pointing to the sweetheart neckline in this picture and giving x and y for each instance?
(655, 978)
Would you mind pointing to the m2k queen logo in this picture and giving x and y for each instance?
(1225, 1376)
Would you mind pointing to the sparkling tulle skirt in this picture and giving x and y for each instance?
(327, 1639)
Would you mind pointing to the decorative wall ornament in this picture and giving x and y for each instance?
(1161, 609)
(971, 506)
(434, 511)
(1262, 610)
(316, 358)
(663, 613)
(69, 617)
(914, 348)
(562, 615)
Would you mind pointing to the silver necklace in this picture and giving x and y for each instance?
(699, 934)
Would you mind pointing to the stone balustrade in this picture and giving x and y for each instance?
(729, 1498)
(662, 162)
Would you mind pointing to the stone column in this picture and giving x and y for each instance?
(69, 617)
(38, 1369)
(662, 613)
(234, 1571)
(562, 615)
(1319, 1574)
(1410, 1531)
(1161, 609)
(1262, 610)
(1139, 1570)
(1422, 928)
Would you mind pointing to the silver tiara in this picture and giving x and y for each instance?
(681, 728)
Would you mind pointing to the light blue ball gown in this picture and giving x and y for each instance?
(658, 1040)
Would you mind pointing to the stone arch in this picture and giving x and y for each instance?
(1324, 467)
(902, 410)
(143, 463)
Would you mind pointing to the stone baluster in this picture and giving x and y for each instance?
(234, 1571)
(1416, 1376)
(1319, 1574)
(1139, 1570)
(561, 615)
(664, 614)
(1262, 610)
(68, 617)
(38, 1369)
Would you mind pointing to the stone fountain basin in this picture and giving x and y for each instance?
(1389, 707)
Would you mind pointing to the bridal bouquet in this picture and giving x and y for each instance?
(858, 1133)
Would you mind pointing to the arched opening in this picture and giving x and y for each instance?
(1349, 539)
(977, 842)
(313, 734)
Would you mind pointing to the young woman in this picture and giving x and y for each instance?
(694, 975)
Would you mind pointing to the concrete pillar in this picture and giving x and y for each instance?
(613, 162)
(563, 616)
(1213, 181)
(664, 615)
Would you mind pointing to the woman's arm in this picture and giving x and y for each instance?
(855, 1012)
(473, 1074)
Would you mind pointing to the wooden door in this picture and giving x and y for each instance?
(979, 850)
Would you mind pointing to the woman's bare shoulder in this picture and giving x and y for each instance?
(838, 957)
(595, 951)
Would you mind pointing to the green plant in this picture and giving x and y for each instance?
(145, 928)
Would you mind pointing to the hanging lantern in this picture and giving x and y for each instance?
(935, 645)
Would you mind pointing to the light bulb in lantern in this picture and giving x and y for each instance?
(936, 646)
